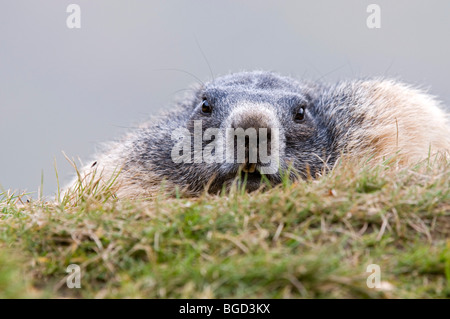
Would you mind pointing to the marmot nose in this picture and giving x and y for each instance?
(255, 121)
(263, 137)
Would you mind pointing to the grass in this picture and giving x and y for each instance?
(309, 239)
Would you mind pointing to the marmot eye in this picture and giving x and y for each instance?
(206, 107)
(300, 114)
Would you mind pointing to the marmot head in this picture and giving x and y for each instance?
(247, 125)
(256, 127)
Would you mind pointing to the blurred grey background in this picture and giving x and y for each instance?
(68, 90)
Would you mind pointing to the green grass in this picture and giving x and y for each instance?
(310, 239)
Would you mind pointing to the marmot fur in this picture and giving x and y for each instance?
(316, 122)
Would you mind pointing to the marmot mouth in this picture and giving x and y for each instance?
(249, 168)
(255, 176)
(252, 180)
(250, 172)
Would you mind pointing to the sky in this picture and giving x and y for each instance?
(70, 89)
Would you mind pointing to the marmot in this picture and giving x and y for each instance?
(316, 123)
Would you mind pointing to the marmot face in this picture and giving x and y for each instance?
(296, 139)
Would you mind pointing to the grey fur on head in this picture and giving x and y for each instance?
(376, 118)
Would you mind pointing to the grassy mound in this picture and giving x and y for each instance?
(309, 239)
